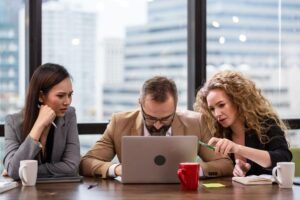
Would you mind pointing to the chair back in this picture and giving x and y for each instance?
(296, 159)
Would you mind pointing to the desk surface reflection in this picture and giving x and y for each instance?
(112, 189)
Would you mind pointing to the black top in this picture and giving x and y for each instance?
(277, 148)
(47, 156)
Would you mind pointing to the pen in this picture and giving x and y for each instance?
(54, 124)
(206, 145)
(92, 186)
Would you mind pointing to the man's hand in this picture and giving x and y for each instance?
(241, 168)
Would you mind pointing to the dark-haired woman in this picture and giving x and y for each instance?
(46, 129)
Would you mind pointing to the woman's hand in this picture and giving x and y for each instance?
(118, 170)
(4, 173)
(241, 168)
(224, 146)
(44, 119)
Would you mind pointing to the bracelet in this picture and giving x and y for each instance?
(37, 142)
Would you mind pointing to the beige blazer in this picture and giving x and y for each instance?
(98, 159)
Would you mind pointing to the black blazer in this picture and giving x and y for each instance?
(277, 148)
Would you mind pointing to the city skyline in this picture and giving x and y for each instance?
(159, 46)
(111, 54)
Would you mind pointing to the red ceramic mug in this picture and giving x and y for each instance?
(188, 174)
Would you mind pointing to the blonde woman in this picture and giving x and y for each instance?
(243, 123)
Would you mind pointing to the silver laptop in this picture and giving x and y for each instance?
(155, 159)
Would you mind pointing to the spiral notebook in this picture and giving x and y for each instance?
(296, 180)
(7, 185)
(255, 180)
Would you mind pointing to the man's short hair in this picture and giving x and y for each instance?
(159, 88)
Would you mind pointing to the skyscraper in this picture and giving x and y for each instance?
(254, 37)
(249, 36)
(9, 57)
(69, 38)
(157, 48)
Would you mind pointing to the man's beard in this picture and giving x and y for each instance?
(158, 132)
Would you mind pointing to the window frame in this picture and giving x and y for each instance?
(196, 72)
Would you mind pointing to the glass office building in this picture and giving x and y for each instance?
(69, 35)
(9, 60)
(258, 37)
(158, 47)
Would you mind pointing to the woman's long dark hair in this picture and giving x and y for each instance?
(43, 80)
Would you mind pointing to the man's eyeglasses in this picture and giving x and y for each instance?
(150, 120)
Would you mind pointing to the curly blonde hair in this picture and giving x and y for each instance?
(254, 109)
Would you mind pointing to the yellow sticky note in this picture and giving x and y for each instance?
(213, 185)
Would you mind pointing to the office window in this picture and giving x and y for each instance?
(87, 141)
(12, 84)
(112, 47)
(261, 39)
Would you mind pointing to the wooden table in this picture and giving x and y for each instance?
(112, 189)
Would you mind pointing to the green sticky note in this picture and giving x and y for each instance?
(213, 185)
